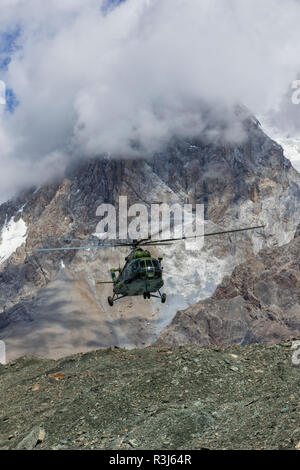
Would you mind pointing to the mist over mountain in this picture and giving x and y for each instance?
(98, 78)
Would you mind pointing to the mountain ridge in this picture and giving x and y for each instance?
(250, 183)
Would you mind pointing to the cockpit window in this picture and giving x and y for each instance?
(156, 264)
(150, 268)
(135, 266)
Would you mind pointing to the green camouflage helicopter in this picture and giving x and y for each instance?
(142, 273)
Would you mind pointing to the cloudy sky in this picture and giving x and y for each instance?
(86, 77)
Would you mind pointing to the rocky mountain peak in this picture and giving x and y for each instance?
(54, 296)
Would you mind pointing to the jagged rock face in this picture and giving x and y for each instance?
(259, 302)
(51, 300)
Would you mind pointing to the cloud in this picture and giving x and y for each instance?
(90, 79)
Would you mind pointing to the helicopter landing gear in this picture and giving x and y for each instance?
(162, 297)
(112, 300)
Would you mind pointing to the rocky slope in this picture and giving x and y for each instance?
(155, 398)
(50, 304)
(259, 302)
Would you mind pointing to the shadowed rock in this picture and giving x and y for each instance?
(259, 302)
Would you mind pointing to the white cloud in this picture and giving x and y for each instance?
(90, 82)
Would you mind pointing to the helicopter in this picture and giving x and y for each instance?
(142, 273)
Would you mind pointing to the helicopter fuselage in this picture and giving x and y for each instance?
(142, 274)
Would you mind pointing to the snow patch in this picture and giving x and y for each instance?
(290, 144)
(13, 235)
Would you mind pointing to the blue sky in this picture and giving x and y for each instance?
(89, 84)
(115, 2)
(8, 45)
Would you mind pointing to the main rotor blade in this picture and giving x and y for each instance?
(155, 242)
(104, 282)
(233, 231)
(69, 248)
(66, 239)
(139, 242)
(146, 241)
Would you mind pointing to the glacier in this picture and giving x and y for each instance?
(13, 235)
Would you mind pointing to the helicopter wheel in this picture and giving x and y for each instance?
(148, 295)
(145, 295)
(110, 300)
(163, 298)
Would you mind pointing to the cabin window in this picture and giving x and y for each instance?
(157, 268)
(149, 266)
(142, 269)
